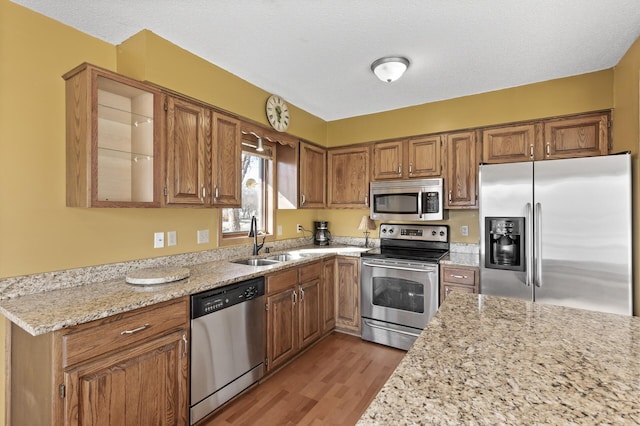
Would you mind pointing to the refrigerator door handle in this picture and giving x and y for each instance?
(529, 245)
(538, 244)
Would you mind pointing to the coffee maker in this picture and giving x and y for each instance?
(321, 236)
(505, 243)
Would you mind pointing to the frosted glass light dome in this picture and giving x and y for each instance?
(390, 68)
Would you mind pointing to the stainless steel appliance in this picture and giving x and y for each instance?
(227, 344)
(321, 236)
(409, 200)
(399, 284)
(558, 232)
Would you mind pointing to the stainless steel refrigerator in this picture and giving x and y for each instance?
(558, 232)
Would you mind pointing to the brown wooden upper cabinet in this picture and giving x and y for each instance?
(187, 132)
(461, 182)
(348, 177)
(418, 157)
(203, 155)
(566, 137)
(113, 133)
(313, 172)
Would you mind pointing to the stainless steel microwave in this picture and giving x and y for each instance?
(410, 200)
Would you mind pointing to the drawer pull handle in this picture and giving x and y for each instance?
(135, 330)
(459, 276)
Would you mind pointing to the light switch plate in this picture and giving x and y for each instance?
(172, 238)
(464, 230)
(203, 236)
(158, 240)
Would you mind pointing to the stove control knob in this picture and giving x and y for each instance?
(384, 230)
(433, 233)
(442, 233)
(391, 231)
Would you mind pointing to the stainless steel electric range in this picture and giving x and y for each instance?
(399, 284)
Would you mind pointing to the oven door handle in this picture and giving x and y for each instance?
(401, 268)
(381, 327)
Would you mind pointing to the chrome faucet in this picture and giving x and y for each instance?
(253, 232)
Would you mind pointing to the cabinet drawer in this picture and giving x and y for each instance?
(309, 271)
(282, 280)
(116, 332)
(458, 275)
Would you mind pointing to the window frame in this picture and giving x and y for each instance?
(249, 143)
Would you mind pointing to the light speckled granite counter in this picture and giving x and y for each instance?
(463, 255)
(42, 312)
(489, 360)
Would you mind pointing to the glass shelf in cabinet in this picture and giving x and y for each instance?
(118, 115)
(124, 155)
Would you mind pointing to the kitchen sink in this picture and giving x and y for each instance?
(285, 257)
(256, 262)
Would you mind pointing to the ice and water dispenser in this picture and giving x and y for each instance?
(505, 243)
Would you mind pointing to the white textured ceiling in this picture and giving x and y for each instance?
(316, 53)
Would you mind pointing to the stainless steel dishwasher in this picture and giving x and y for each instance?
(227, 344)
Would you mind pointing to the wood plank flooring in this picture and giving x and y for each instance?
(330, 384)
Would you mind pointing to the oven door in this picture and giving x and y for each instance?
(397, 297)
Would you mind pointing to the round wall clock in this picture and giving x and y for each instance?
(278, 113)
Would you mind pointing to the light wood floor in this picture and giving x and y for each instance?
(330, 384)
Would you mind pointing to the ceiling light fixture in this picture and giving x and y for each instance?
(390, 68)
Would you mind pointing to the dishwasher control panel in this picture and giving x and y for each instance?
(216, 299)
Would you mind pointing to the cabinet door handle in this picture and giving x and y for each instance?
(410, 168)
(217, 192)
(531, 151)
(400, 168)
(366, 200)
(294, 296)
(135, 330)
(186, 344)
(302, 199)
(301, 295)
(548, 149)
(449, 195)
(459, 276)
(204, 192)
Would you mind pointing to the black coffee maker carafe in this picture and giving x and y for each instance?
(321, 236)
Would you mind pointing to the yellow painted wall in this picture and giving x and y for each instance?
(626, 136)
(586, 92)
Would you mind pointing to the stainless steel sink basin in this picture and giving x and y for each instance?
(283, 257)
(256, 262)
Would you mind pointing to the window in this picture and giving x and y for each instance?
(257, 192)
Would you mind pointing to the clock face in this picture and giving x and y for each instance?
(278, 113)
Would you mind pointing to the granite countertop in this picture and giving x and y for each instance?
(490, 360)
(40, 313)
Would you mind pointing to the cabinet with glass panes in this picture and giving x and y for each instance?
(113, 140)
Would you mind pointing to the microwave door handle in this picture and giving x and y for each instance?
(529, 245)
(420, 204)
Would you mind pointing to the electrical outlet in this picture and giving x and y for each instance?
(464, 230)
(279, 229)
(299, 228)
(172, 239)
(203, 236)
(158, 240)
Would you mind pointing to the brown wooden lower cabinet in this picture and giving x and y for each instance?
(458, 278)
(328, 295)
(348, 294)
(130, 368)
(294, 312)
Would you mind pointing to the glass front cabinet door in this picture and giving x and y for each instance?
(113, 130)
